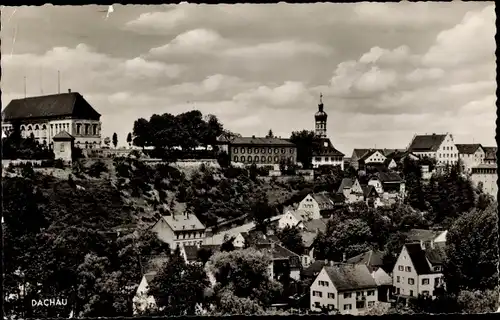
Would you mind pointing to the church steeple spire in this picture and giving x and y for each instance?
(320, 118)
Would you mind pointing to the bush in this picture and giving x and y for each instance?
(96, 169)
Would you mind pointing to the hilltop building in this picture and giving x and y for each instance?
(437, 146)
(46, 116)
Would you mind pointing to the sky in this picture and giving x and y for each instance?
(386, 71)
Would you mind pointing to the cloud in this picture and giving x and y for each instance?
(158, 22)
(282, 49)
(422, 74)
(191, 42)
(284, 96)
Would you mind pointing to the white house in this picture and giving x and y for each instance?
(372, 157)
(388, 184)
(438, 146)
(290, 219)
(177, 230)
(142, 299)
(418, 270)
(348, 288)
(314, 204)
(470, 155)
(351, 189)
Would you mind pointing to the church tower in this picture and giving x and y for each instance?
(320, 118)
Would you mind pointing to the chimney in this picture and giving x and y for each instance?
(331, 263)
(69, 90)
(344, 257)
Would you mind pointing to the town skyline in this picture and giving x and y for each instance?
(157, 59)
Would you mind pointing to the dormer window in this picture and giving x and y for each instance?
(437, 268)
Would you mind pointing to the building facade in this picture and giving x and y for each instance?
(63, 144)
(43, 117)
(485, 177)
(437, 146)
(261, 151)
(180, 230)
(470, 155)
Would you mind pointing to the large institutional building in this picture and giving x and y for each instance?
(262, 151)
(46, 116)
(324, 152)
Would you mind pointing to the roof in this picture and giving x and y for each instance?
(347, 277)
(381, 277)
(308, 238)
(295, 214)
(180, 222)
(370, 258)
(280, 253)
(63, 135)
(368, 189)
(419, 257)
(345, 184)
(388, 176)
(358, 153)
(314, 268)
(426, 143)
(324, 200)
(328, 150)
(486, 166)
(315, 225)
(422, 235)
(192, 251)
(370, 153)
(468, 148)
(50, 106)
(490, 153)
(262, 141)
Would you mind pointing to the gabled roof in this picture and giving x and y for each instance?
(315, 225)
(347, 277)
(180, 222)
(426, 143)
(295, 214)
(358, 153)
(63, 135)
(368, 190)
(470, 148)
(280, 253)
(314, 268)
(381, 277)
(370, 258)
(251, 141)
(50, 106)
(388, 176)
(308, 238)
(370, 153)
(324, 200)
(420, 257)
(329, 150)
(490, 153)
(346, 183)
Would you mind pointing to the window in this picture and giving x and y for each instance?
(242, 150)
(291, 150)
(255, 150)
(276, 150)
(437, 268)
(370, 293)
(398, 279)
(269, 159)
(331, 295)
(371, 303)
(411, 293)
(425, 293)
(347, 306)
(249, 150)
(360, 304)
(256, 159)
(78, 128)
(269, 150)
(331, 307)
(317, 305)
(401, 268)
(87, 129)
(263, 159)
(263, 150)
(425, 281)
(62, 147)
(318, 159)
(249, 158)
(347, 295)
(276, 159)
(411, 281)
(235, 158)
(317, 294)
(436, 281)
(235, 150)
(283, 150)
(408, 269)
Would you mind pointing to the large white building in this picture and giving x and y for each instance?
(46, 116)
(180, 230)
(470, 155)
(485, 176)
(437, 146)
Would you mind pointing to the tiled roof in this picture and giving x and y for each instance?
(369, 154)
(426, 143)
(345, 184)
(250, 141)
(277, 251)
(181, 222)
(381, 277)
(486, 166)
(63, 135)
(308, 238)
(50, 106)
(295, 214)
(322, 150)
(314, 268)
(324, 200)
(346, 277)
(468, 148)
(388, 176)
(415, 235)
(419, 257)
(490, 153)
(315, 225)
(368, 189)
(370, 258)
(358, 153)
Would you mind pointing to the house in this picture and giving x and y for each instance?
(284, 262)
(399, 157)
(324, 153)
(190, 252)
(425, 237)
(388, 184)
(371, 157)
(357, 154)
(490, 156)
(142, 300)
(290, 219)
(180, 229)
(259, 151)
(418, 270)
(308, 239)
(470, 155)
(63, 144)
(371, 196)
(484, 176)
(351, 189)
(46, 116)
(316, 205)
(348, 288)
(374, 260)
(437, 146)
(312, 271)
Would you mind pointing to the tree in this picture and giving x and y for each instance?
(261, 212)
(107, 141)
(243, 283)
(472, 245)
(304, 140)
(115, 139)
(270, 134)
(142, 133)
(478, 301)
(213, 130)
(179, 287)
(129, 139)
(291, 239)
